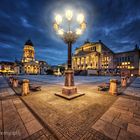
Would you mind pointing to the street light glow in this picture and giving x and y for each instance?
(83, 26)
(78, 31)
(58, 19)
(69, 14)
(80, 18)
(55, 26)
(65, 29)
(61, 32)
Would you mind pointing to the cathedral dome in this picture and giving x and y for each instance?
(28, 52)
(29, 42)
(28, 45)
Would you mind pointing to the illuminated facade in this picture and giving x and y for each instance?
(6, 67)
(28, 52)
(28, 64)
(92, 56)
(98, 57)
(128, 62)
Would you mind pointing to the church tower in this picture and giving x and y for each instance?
(28, 52)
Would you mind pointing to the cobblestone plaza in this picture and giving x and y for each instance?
(96, 115)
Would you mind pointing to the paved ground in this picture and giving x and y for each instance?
(122, 119)
(69, 119)
(16, 121)
(134, 88)
(95, 116)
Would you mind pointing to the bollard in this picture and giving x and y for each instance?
(11, 80)
(25, 87)
(128, 80)
(113, 87)
(15, 83)
(123, 82)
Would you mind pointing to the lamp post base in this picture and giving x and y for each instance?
(69, 97)
(69, 91)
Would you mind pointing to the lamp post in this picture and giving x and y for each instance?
(69, 35)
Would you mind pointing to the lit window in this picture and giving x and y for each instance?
(132, 67)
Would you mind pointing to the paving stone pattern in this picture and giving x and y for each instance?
(16, 121)
(95, 116)
(121, 121)
(70, 120)
(134, 88)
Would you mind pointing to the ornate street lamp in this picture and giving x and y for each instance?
(69, 35)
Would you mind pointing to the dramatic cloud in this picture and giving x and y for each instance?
(116, 23)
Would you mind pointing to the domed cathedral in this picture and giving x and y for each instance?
(28, 52)
(30, 66)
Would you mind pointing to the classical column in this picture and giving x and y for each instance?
(80, 59)
(84, 65)
(75, 63)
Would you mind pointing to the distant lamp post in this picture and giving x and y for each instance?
(65, 28)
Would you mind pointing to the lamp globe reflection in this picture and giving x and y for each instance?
(69, 30)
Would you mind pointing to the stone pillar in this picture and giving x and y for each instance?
(69, 87)
(113, 87)
(11, 80)
(25, 87)
(69, 78)
(128, 80)
(15, 82)
(123, 82)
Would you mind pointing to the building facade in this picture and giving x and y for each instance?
(97, 58)
(28, 63)
(7, 67)
(128, 62)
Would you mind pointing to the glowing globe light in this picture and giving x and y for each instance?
(69, 14)
(83, 26)
(61, 32)
(69, 32)
(80, 18)
(55, 26)
(58, 19)
(78, 31)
